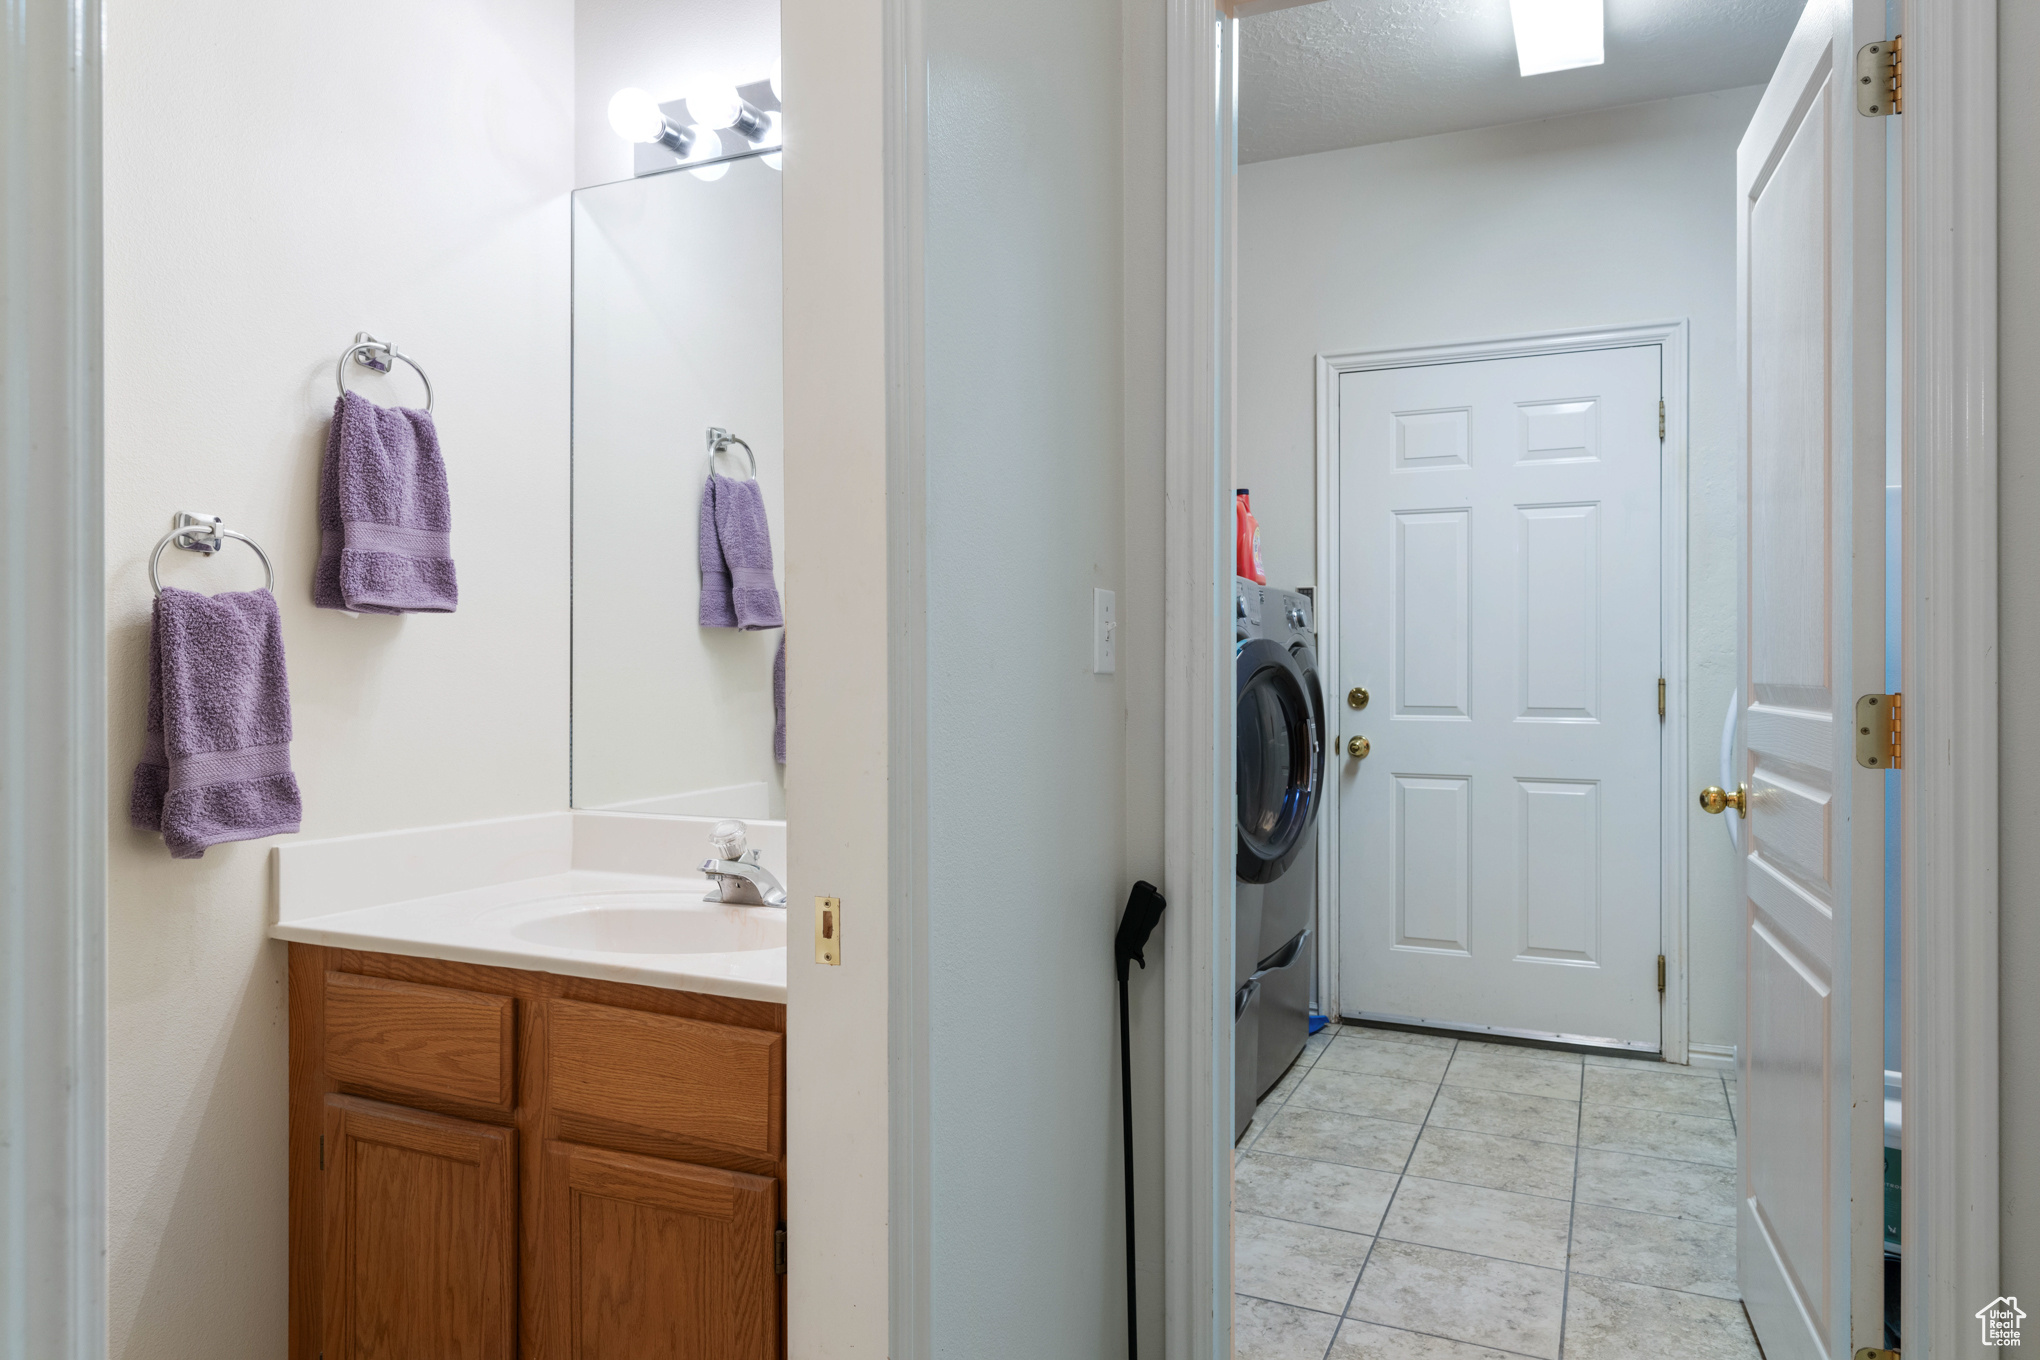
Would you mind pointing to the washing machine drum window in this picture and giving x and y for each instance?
(1279, 761)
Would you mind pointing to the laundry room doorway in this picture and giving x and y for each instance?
(1505, 551)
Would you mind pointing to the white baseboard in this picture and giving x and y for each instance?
(1721, 1056)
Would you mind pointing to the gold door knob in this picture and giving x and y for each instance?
(1358, 748)
(1719, 800)
(1356, 697)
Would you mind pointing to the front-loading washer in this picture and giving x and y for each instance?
(1278, 780)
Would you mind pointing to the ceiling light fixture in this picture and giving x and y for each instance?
(1556, 35)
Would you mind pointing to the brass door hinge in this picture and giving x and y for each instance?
(1880, 731)
(1661, 698)
(779, 1250)
(1880, 78)
(1661, 974)
(1661, 422)
(1872, 1353)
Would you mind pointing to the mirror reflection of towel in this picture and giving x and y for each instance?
(735, 550)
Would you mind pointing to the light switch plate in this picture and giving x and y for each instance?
(1104, 633)
(829, 930)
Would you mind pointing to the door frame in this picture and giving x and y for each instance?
(1672, 338)
(54, 800)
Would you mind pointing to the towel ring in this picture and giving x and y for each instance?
(214, 531)
(719, 440)
(363, 352)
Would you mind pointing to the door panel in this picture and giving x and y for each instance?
(421, 1233)
(1810, 180)
(1499, 558)
(647, 1257)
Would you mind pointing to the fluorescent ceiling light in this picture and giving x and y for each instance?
(1556, 35)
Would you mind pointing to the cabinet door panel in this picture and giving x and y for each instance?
(648, 1257)
(421, 1230)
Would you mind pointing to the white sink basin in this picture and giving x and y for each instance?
(648, 923)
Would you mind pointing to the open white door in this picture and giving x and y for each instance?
(1810, 299)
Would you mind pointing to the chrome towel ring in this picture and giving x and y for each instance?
(364, 351)
(720, 439)
(213, 536)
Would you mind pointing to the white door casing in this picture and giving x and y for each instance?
(1810, 327)
(1498, 593)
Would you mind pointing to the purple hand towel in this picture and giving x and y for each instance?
(737, 589)
(216, 764)
(385, 518)
(779, 702)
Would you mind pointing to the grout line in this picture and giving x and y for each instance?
(1571, 1218)
(1665, 1288)
(1411, 1331)
(1399, 1178)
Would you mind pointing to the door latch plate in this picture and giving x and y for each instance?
(829, 930)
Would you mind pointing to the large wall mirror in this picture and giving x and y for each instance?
(677, 334)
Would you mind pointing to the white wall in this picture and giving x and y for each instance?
(676, 328)
(1616, 216)
(661, 46)
(277, 178)
(1025, 746)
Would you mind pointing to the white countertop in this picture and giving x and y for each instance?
(533, 909)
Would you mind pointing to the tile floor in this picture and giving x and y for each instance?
(1415, 1197)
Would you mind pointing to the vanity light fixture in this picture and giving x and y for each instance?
(720, 106)
(1556, 35)
(637, 117)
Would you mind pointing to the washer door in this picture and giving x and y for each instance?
(1278, 761)
(1305, 657)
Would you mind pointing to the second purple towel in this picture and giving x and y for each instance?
(385, 518)
(215, 765)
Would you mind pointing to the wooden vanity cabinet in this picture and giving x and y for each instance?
(488, 1163)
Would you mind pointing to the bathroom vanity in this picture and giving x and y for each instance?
(524, 1118)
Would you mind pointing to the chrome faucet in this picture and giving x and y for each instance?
(743, 882)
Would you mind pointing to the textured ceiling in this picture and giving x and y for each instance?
(1351, 72)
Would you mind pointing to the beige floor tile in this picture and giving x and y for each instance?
(1506, 1113)
(1653, 1185)
(1671, 1253)
(1349, 1139)
(1264, 1330)
(1401, 1036)
(1286, 1087)
(1327, 1088)
(1494, 1161)
(1526, 1052)
(1380, 1058)
(1609, 1320)
(1646, 1061)
(1256, 1126)
(1489, 1070)
(1652, 1133)
(1359, 1340)
(1296, 1263)
(1472, 1218)
(1476, 1299)
(1674, 1092)
(1349, 1198)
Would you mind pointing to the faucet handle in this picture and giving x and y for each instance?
(728, 839)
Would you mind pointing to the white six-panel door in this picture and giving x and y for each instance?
(1810, 306)
(1498, 530)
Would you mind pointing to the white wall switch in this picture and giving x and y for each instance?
(1104, 634)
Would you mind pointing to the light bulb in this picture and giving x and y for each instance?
(716, 106)
(636, 116)
(706, 146)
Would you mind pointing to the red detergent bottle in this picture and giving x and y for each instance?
(1248, 531)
